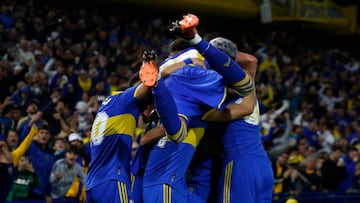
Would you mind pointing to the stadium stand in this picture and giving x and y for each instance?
(307, 80)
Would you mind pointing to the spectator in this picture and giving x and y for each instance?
(87, 105)
(329, 98)
(57, 77)
(292, 178)
(76, 140)
(6, 120)
(31, 109)
(59, 148)
(311, 134)
(326, 138)
(12, 139)
(310, 177)
(16, 114)
(24, 182)
(63, 173)
(23, 98)
(42, 158)
(351, 158)
(279, 168)
(83, 159)
(333, 171)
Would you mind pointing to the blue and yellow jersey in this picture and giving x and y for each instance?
(242, 137)
(181, 56)
(169, 161)
(195, 91)
(111, 138)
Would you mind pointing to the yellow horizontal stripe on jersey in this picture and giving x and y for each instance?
(194, 136)
(243, 81)
(121, 124)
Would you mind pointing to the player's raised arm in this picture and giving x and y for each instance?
(174, 125)
(223, 63)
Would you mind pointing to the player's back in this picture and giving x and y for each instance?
(195, 90)
(242, 136)
(169, 161)
(111, 138)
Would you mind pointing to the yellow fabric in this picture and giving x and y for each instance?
(121, 124)
(310, 171)
(86, 140)
(114, 88)
(266, 64)
(270, 96)
(278, 187)
(24, 146)
(336, 133)
(138, 132)
(350, 104)
(85, 85)
(75, 187)
(194, 136)
(227, 182)
(21, 121)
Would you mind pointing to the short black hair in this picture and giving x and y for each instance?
(74, 149)
(178, 44)
(44, 126)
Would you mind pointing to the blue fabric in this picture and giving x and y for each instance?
(166, 108)
(157, 194)
(7, 178)
(247, 184)
(110, 146)
(42, 160)
(110, 191)
(7, 21)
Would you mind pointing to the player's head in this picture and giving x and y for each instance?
(225, 45)
(178, 45)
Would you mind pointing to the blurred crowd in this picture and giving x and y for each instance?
(57, 65)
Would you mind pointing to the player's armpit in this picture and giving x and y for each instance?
(152, 135)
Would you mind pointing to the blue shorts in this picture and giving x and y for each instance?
(166, 194)
(249, 180)
(111, 191)
(136, 188)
